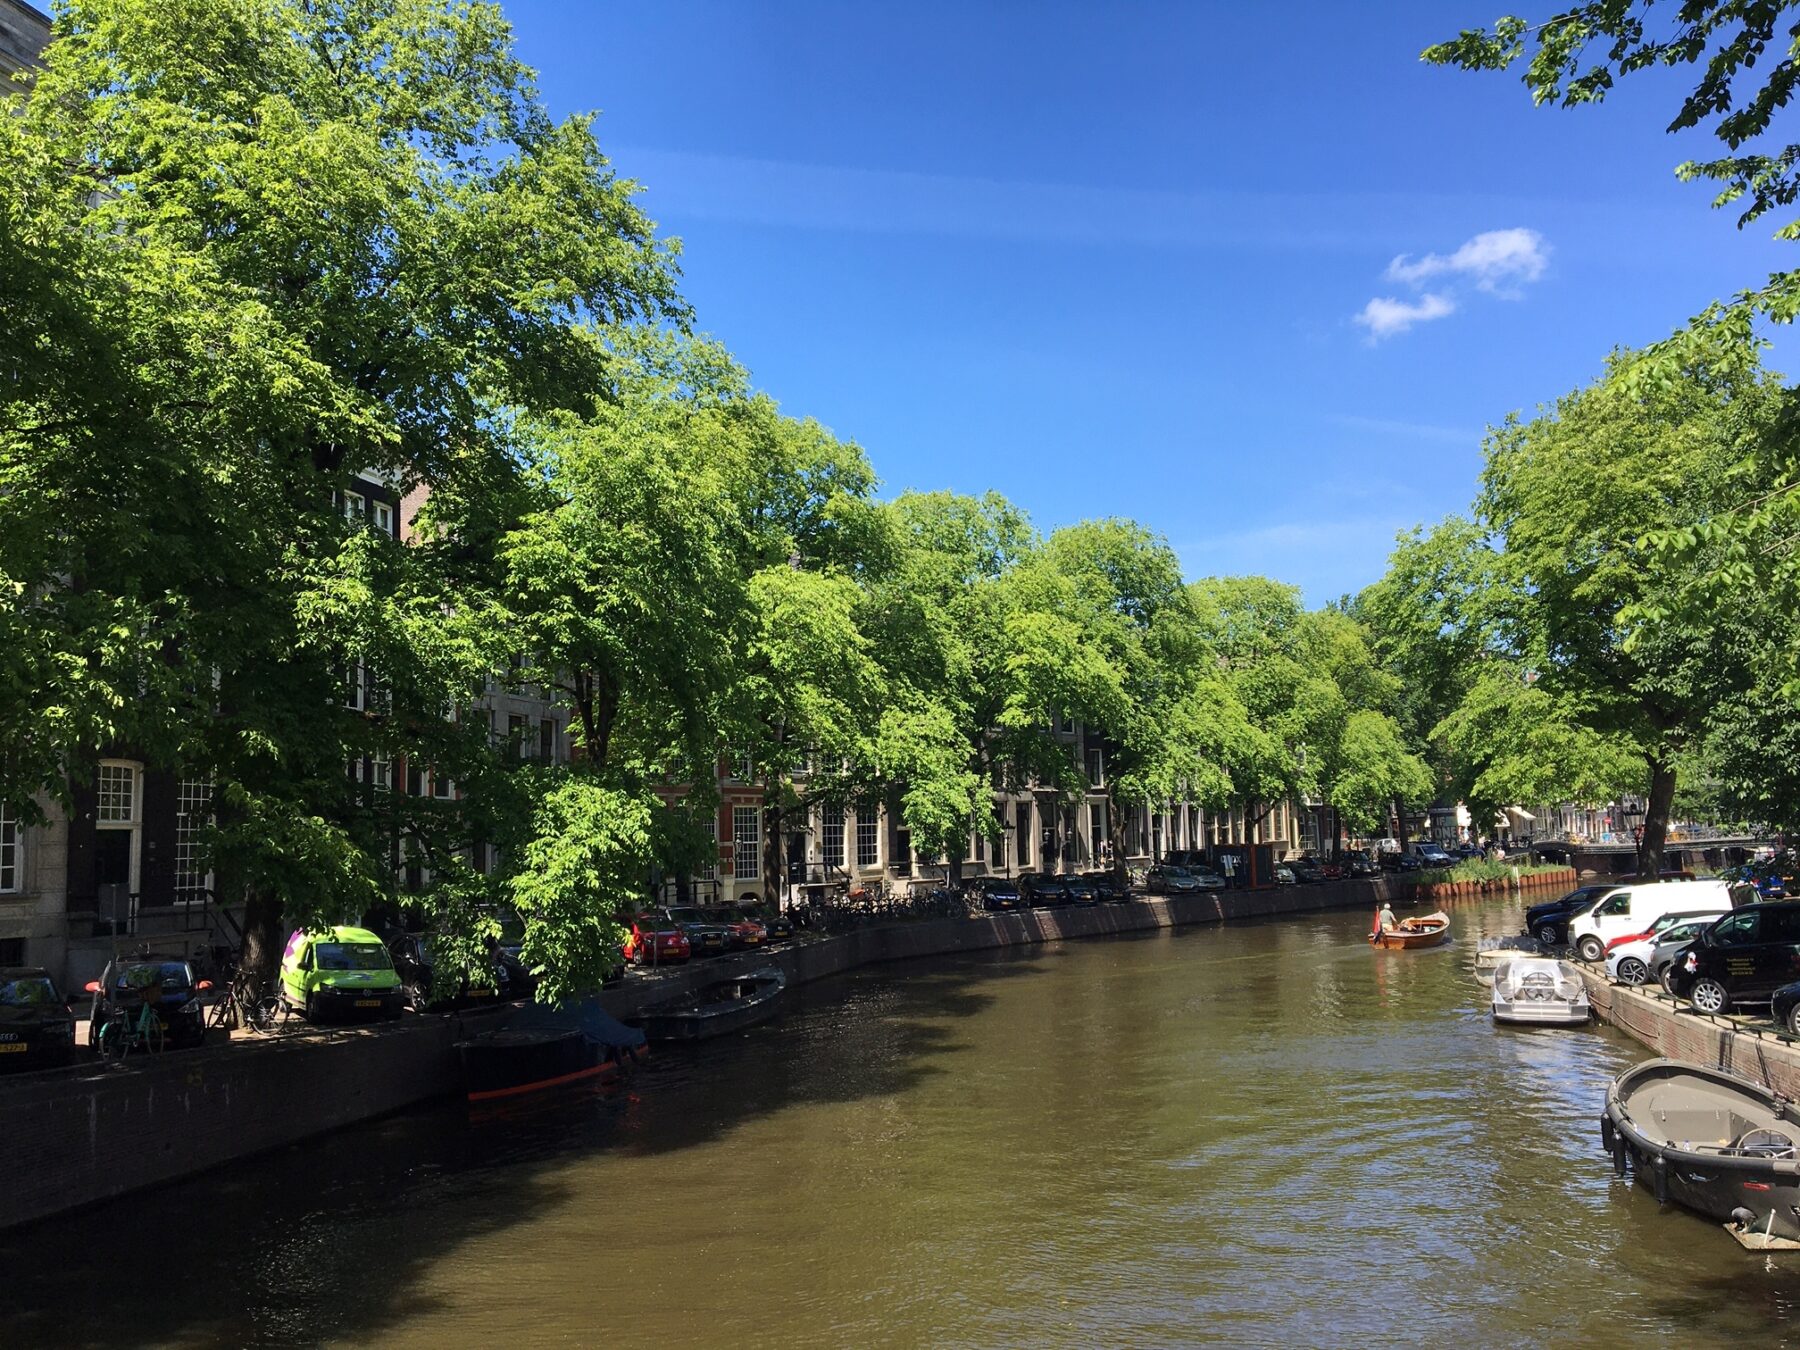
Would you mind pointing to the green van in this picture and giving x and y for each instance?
(340, 972)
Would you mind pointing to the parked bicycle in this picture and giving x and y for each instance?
(243, 1007)
(126, 1030)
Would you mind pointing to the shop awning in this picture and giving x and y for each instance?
(1519, 813)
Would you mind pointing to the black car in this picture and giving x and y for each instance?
(1109, 887)
(1549, 922)
(37, 1030)
(1358, 863)
(127, 980)
(1306, 869)
(415, 962)
(1784, 1008)
(1167, 879)
(781, 928)
(1079, 890)
(1400, 862)
(1743, 958)
(705, 938)
(1042, 888)
(994, 893)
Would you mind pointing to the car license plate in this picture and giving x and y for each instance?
(368, 1003)
(17, 1047)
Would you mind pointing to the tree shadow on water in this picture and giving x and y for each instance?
(337, 1238)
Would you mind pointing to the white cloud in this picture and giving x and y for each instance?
(1385, 316)
(1497, 261)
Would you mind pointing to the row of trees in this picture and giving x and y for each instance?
(1615, 616)
(251, 247)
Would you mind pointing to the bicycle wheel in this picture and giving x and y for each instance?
(150, 1034)
(109, 1040)
(266, 1013)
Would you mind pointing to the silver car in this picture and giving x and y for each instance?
(1644, 961)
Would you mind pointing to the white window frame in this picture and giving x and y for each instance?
(443, 789)
(746, 840)
(381, 771)
(831, 827)
(193, 812)
(103, 808)
(383, 518)
(12, 852)
(355, 507)
(868, 839)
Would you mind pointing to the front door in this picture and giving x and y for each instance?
(112, 875)
(1613, 916)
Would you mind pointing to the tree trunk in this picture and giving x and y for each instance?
(1115, 835)
(774, 843)
(264, 939)
(1656, 820)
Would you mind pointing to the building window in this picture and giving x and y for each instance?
(547, 740)
(1097, 829)
(711, 871)
(381, 771)
(441, 787)
(116, 796)
(356, 685)
(831, 840)
(1023, 832)
(979, 849)
(902, 859)
(10, 869)
(193, 812)
(355, 509)
(384, 518)
(746, 836)
(868, 839)
(517, 729)
(1096, 767)
(743, 769)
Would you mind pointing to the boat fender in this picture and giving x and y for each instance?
(1660, 1179)
(1606, 1133)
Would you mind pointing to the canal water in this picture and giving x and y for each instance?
(1266, 1134)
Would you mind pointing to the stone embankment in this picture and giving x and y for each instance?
(87, 1133)
(1750, 1048)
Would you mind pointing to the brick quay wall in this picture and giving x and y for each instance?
(91, 1132)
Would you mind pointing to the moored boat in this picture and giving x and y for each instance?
(1535, 989)
(543, 1048)
(1426, 930)
(715, 1009)
(1710, 1141)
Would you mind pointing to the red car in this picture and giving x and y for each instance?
(746, 930)
(654, 940)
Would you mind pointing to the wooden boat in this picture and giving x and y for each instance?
(1426, 930)
(715, 1009)
(544, 1048)
(1715, 1143)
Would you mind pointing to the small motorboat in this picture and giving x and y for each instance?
(1491, 952)
(541, 1048)
(1718, 1144)
(715, 1009)
(1538, 989)
(1425, 930)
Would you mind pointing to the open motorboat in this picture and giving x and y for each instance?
(1711, 1141)
(1426, 930)
(540, 1048)
(715, 1009)
(1538, 989)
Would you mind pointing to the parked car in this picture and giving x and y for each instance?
(779, 926)
(1042, 889)
(425, 987)
(1399, 862)
(706, 936)
(1358, 863)
(1205, 879)
(169, 984)
(994, 894)
(1663, 923)
(1742, 958)
(1167, 879)
(1079, 890)
(655, 939)
(1784, 1008)
(1632, 909)
(342, 972)
(37, 1028)
(742, 928)
(1433, 855)
(1109, 887)
(1305, 868)
(1549, 922)
(1284, 875)
(1643, 959)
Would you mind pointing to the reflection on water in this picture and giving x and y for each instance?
(1267, 1134)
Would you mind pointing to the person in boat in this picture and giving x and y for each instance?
(1384, 918)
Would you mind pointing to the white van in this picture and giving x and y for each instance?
(1632, 909)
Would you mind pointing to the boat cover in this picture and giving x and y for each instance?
(587, 1017)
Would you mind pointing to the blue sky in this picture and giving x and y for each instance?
(1119, 258)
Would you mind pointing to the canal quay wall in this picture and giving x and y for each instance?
(88, 1133)
(1680, 1033)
